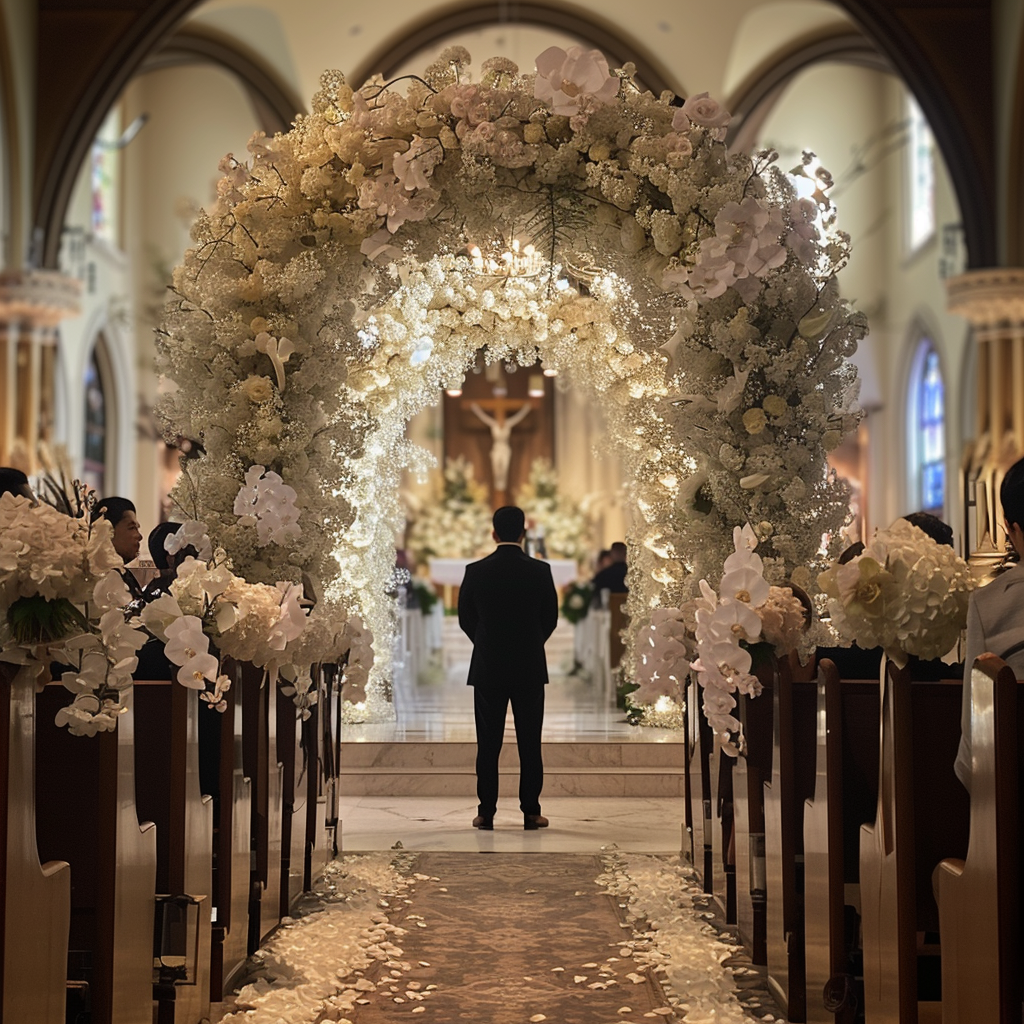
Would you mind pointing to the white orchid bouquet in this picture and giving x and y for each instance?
(268, 626)
(353, 266)
(905, 593)
(564, 521)
(745, 611)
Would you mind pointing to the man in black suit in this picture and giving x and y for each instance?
(508, 607)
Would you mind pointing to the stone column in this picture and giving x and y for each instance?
(32, 304)
(992, 301)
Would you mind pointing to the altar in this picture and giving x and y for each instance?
(449, 571)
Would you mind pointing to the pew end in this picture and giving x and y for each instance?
(979, 896)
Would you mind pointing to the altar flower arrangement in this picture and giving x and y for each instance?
(456, 523)
(905, 593)
(745, 611)
(353, 266)
(564, 521)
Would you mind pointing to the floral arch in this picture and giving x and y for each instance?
(353, 266)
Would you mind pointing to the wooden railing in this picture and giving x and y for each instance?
(227, 813)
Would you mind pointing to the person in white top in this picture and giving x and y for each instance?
(995, 619)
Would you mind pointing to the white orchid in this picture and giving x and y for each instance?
(191, 533)
(185, 639)
(569, 79)
(268, 503)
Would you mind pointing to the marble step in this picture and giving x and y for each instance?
(570, 769)
(581, 782)
(609, 756)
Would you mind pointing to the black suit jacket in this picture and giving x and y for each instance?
(508, 607)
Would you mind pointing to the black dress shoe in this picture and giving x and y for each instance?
(532, 821)
(487, 824)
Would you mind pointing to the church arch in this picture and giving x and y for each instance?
(434, 28)
(274, 102)
(753, 100)
(69, 133)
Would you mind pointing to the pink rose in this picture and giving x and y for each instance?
(706, 112)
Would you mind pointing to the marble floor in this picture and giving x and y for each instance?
(438, 708)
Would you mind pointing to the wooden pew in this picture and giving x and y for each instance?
(845, 795)
(317, 737)
(699, 771)
(34, 899)
(922, 817)
(266, 773)
(169, 793)
(792, 782)
(86, 815)
(329, 748)
(233, 849)
(292, 752)
(752, 770)
(980, 897)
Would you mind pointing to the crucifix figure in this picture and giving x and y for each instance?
(501, 426)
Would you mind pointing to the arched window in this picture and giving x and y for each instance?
(928, 430)
(104, 159)
(94, 455)
(920, 177)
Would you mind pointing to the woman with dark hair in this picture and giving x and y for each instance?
(995, 619)
(13, 481)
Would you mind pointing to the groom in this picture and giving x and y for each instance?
(508, 607)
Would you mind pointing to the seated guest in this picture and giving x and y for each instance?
(13, 481)
(121, 515)
(940, 532)
(613, 576)
(995, 619)
(166, 562)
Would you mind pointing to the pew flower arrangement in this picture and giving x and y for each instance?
(905, 593)
(745, 611)
(249, 622)
(64, 602)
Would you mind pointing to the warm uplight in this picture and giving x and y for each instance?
(453, 392)
(550, 371)
(535, 387)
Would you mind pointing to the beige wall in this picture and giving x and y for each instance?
(833, 110)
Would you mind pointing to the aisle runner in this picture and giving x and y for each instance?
(502, 939)
(513, 938)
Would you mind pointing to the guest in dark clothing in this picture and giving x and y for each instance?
(613, 576)
(13, 481)
(508, 607)
(166, 563)
(121, 515)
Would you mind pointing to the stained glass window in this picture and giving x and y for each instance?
(931, 432)
(103, 168)
(94, 457)
(921, 173)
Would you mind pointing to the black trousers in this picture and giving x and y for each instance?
(491, 707)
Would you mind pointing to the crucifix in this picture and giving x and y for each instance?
(501, 425)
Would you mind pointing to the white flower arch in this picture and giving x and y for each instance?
(354, 266)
